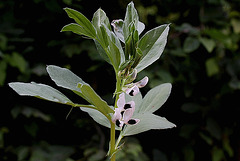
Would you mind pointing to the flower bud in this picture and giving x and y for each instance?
(143, 82)
(132, 76)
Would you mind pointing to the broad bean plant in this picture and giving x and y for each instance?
(119, 43)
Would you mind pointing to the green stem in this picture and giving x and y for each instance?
(112, 142)
(112, 137)
(118, 140)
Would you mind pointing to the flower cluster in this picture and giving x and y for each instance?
(124, 111)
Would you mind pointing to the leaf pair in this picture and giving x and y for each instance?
(99, 30)
(66, 79)
(82, 26)
(144, 109)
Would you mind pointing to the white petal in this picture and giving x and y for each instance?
(142, 82)
(121, 101)
(127, 115)
(132, 91)
(117, 115)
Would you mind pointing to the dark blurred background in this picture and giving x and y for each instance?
(201, 60)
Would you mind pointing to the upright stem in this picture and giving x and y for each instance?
(112, 142)
(112, 137)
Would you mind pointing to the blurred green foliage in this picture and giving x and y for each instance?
(202, 60)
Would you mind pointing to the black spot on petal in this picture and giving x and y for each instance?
(118, 123)
(122, 113)
(132, 122)
(131, 92)
(126, 106)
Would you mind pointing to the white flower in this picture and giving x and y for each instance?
(133, 89)
(123, 114)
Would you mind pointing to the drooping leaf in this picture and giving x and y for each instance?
(82, 21)
(147, 122)
(41, 91)
(97, 116)
(155, 98)
(92, 97)
(152, 45)
(65, 78)
(75, 28)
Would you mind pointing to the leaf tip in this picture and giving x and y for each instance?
(10, 84)
(66, 8)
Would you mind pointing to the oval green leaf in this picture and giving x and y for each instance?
(40, 91)
(152, 45)
(148, 121)
(155, 98)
